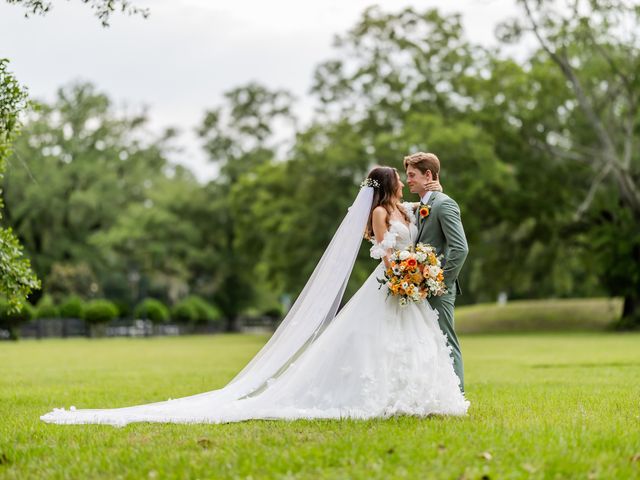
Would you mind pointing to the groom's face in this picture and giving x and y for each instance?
(416, 179)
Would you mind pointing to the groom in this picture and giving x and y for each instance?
(440, 225)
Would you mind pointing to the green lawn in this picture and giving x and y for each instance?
(576, 314)
(563, 405)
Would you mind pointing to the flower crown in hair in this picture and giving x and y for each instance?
(369, 182)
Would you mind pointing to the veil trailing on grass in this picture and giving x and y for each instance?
(313, 310)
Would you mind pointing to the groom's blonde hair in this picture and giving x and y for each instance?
(423, 162)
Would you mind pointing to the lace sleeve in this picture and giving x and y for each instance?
(379, 249)
(410, 208)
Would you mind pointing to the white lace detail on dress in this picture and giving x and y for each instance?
(398, 236)
(379, 249)
(408, 207)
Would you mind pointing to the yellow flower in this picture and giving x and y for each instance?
(424, 211)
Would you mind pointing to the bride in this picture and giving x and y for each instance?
(373, 359)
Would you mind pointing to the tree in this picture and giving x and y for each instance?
(17, 279)
(159, 241)
(597, 55)
(410, 81)
(238, 137)
(87, 165)
(103, 8)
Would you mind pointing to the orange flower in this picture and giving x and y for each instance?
(424, 211)
(440, 277)
(412, 263)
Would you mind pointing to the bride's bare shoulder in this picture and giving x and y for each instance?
(380, 212)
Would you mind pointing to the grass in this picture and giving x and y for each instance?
(562, 405)
(579, 314)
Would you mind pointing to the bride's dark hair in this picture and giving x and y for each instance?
(383, 195)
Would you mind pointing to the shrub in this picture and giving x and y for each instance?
(205, 312)
(153, 310)
(46, 308)
(11, 320)
(184, 312)
(124, 308)
(72, 307)
(274, 312)
(100, 311)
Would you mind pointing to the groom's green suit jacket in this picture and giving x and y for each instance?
(442, 229)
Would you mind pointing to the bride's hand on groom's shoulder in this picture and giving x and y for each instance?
(433, 186)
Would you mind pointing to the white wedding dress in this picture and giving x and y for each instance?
(373, 359)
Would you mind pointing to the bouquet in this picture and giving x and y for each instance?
(415, 274)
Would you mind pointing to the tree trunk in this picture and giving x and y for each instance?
(13, 333)
(232, 323)
(630, 313)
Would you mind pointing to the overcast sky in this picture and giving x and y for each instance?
(180, 60)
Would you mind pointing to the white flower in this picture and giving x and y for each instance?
(404, 255)
(434, 270)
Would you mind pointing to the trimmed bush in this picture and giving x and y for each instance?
(184, 312)
(100, 311)
(11, 320)
(153, 310)
(205, 312)
(72, 307)
(46, 308)
(124, 308)
(274, 312)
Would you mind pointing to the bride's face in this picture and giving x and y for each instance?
(400, 187)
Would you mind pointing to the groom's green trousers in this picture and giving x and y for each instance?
(444, 305)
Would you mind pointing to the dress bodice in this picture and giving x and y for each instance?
(399, 236)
